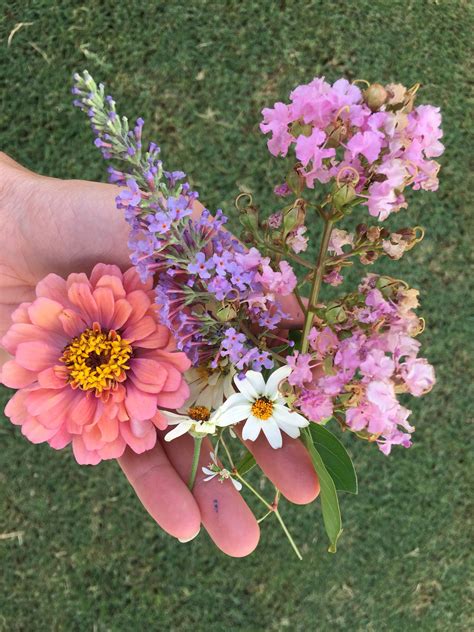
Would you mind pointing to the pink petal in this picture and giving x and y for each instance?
(140, 405)
(35, 432)
(122, 312)
(80, 295)
(139, 444)
(140, 330)
(52, 378)
(36, 356)
(109, 429)
(84, 410)
(160, 421)
(158, 339)
(82, 455)
(61, 439)
(15, 376)
(72, 323)
(16, 408)
(26, 332)
(45, 399)
(174, 400)
(106, 304)
(53, 287)
(102, 269)
(149, 372)
(131, 281)
(114, 449)
(20, 314)
(174, 379)
(44, 312)
(140, 303)
(78, 277)
(113, 283)
(92, 438)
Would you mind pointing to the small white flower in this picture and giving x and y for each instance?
(214, 469)
(264, 408)
(199, 421)
(209, 388)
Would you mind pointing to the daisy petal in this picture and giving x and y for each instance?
(274, 380)
(180, 429)
(234, 415)
(252, 428)
(281, 413)
(272, 432)
(257, 381)
(246, 387)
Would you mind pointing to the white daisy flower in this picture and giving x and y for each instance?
(264, 408)
(197, 420)
(214, 469)
(210, 388)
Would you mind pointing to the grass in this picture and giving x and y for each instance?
(85, 556)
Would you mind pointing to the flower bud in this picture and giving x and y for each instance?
(369, 257)
(335, 135)
(294, 217)
(361, 229)
(335, 313)
(295, 181)
(373, 233)
(299, 128)
(375, 96)
(226, 313)
(343, 196)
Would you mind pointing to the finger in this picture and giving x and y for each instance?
(162, 492)
(224, 513)
(289, 468)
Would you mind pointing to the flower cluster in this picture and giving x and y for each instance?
(359, 362)
(206, 282)
(372, 143)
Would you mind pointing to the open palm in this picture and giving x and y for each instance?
(63, 226)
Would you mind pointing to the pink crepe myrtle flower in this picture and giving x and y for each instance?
(418, 376)
(282, 282)
(92, 364)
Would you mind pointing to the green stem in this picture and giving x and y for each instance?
(316, 285)
(195, 463)
(273, 509)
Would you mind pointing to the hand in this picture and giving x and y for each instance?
(63, 226)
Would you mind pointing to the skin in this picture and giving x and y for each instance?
(63, 226)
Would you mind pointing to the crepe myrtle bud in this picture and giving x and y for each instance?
(361, 230)
(335, 313)
(375, 96)
(373, 233)
(336, 133)
(294, 216)
(226, 313)
(343, 195)
(295, 180)
(369, 257)
(388, 286)
(298, 128)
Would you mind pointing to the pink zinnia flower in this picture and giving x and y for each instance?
(92, 365)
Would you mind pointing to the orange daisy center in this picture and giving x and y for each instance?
(199, 413)
(97, 360)
(262, 408)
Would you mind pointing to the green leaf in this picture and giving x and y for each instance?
(246, 464)
(336, 459)
(328, 494)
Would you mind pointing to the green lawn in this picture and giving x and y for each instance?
(87, 557)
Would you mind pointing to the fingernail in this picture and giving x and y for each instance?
(184, 540)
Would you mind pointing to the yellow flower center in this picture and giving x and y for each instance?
(97, 360)
(199, 413)
(262, 408)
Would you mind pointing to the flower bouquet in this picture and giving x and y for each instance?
(233, 340)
